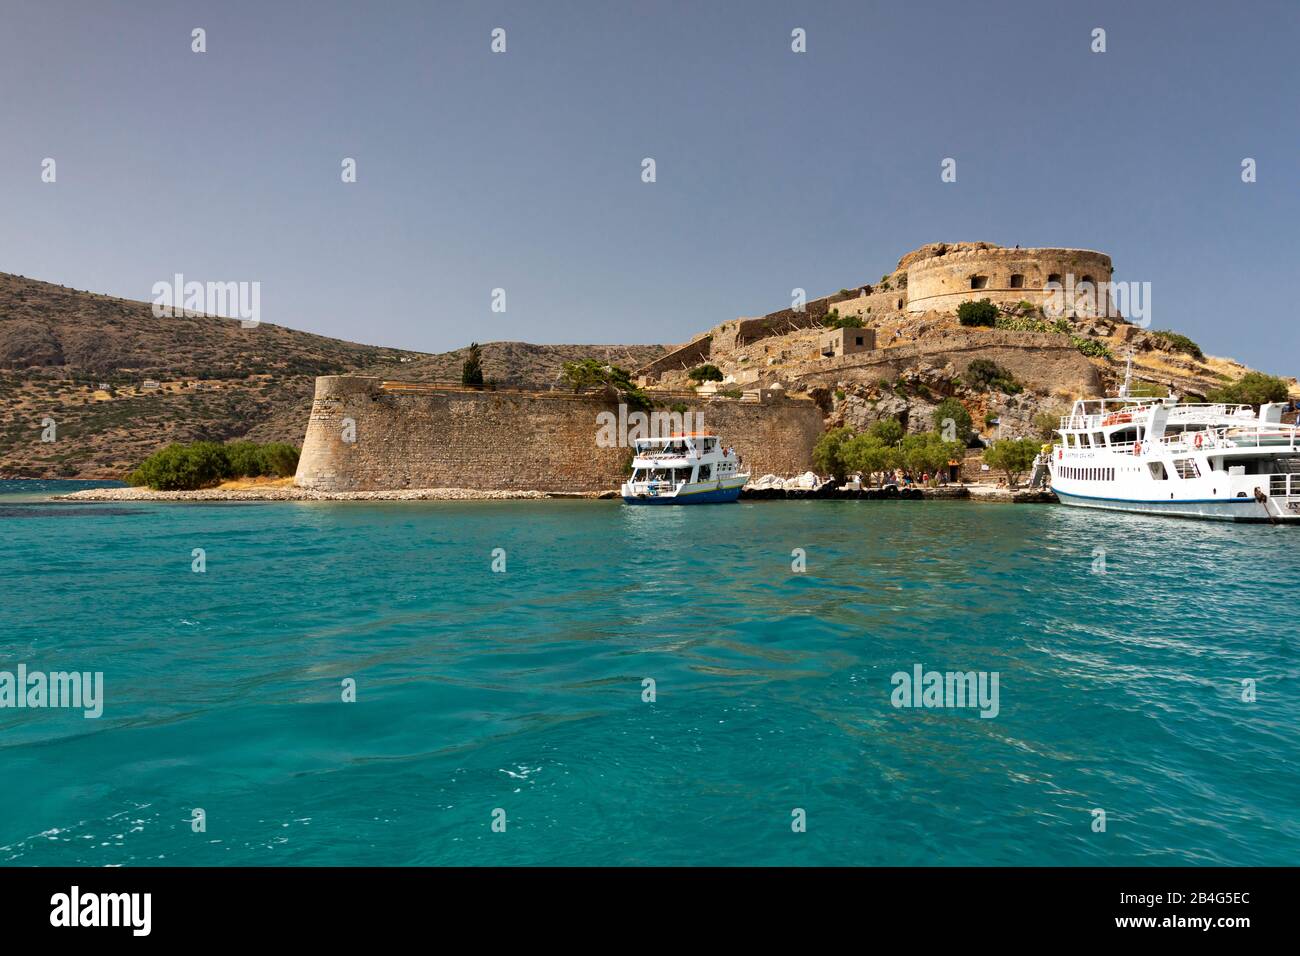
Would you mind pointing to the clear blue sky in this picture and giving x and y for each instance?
(522, 170)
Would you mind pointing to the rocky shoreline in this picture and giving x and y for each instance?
(826, 492)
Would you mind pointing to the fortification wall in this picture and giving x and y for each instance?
(943, 281)
(1043, 360)
(693, 353)
(501, 440)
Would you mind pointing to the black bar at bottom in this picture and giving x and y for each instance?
(338, 905)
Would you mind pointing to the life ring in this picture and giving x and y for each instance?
(1197, 440)
(1060, 453)
(1137, 448)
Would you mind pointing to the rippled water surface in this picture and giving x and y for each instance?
(523, 690)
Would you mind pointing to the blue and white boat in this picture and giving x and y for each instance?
(687, 469)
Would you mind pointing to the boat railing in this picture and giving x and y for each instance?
(662, 455)
(1225, 436)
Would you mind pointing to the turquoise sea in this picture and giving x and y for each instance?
(522, 691)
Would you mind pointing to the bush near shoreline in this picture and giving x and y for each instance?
(203, 464)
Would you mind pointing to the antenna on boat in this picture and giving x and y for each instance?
(1128, 376)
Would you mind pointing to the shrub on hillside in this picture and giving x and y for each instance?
(988, 375)
(593, 373)
(705, 373)
(1028, 324)
(1253, 388)
(1090, 346)
(1177, 342)
(833, 320)
(983, 312)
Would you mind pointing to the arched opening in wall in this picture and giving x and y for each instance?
(1017, 280)
(1053, 277)
(979, 282)
(1087, 279)
(900, 304)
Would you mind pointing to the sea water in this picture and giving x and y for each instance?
(580, 682)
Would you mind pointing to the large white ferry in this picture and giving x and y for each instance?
(688, 469)
(1157, 456)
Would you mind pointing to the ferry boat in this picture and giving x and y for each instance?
(1157, 456)
(687, 469)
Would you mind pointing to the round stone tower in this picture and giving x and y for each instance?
(943, 275)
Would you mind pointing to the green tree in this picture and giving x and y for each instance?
(1253, 388)
(705, 373)
(951, 409)
(887, 430)
(870, 456)
(205, 463)
(983, 312)
(1045, 424)
(592, 373)
(1013, 457)
(827, 453)
(183, 467)
(246, 459)
(929, 452)
(471, 373)
(279, 459)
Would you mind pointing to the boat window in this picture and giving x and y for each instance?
(1123, 436)
(1157, 469)
(706, 472)
(1098, 439)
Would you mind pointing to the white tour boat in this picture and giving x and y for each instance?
(688, 469)
(1156, 456)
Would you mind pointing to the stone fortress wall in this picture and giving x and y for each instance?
(942, 276)
(1041, 359)
(431, 436)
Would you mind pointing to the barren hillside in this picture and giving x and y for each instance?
(118, 382)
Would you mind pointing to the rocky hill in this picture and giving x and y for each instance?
(914, 357)
(118, 382)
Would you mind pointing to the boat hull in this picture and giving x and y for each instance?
(714, 496)
(1209, 509)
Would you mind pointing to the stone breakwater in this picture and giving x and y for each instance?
(307, 494)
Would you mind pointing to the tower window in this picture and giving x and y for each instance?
(979, 282)
(1017, 281)
(1054, 277)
